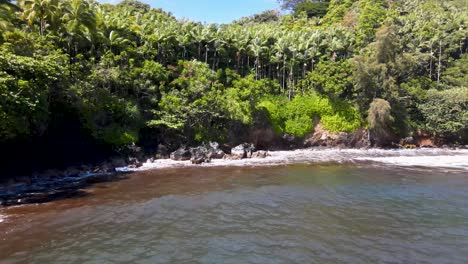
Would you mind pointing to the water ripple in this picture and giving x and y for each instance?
(288, 214)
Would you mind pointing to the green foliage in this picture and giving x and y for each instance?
(446, 113)
(128, 70)
(274, 106)
(312, 9)
(25, 87)
(297, 116)
(331, 78)
(264, 17)
(380, 122)
(336, 11)
(379, 117)
(457, 75)
(372, 13)
(342, 118)
(110, 119)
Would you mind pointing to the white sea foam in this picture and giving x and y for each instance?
(432, 158)
(443, 161)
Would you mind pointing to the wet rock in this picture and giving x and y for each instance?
(199, 155)
(290, 141)
(243, 150)
(264, 138)
(214, 151)
(225, 148)
(134, 163)
(135, 151)
(197, 161)
(162, 152)
(118, 162)
(181, 154)
(261, 154)
(359, 139)
(239, 151)
(72, 172)
(407, 141)
(106, 167)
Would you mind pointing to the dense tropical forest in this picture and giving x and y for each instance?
(81, 80)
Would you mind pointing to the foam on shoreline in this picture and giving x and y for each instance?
(431, 158)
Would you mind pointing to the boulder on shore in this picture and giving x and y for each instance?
(199, 155)
(214, 151)
(134, 163)
(181, 154)
(162, 152)
(243, 151)
(323, 138)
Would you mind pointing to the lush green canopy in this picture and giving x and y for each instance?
(128, 73)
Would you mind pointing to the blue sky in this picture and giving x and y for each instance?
(211, 11)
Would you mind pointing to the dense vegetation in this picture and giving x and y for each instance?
(78, 73)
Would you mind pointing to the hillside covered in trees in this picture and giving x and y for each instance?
(81, 80)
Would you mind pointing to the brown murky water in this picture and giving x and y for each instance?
(282, 214)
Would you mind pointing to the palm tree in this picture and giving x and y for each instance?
(79, 24)
(219, 45)
(79, 16)
(184, 38)
(200, 34)
(241, 43)
(257, 46)
(7, 13)
(42, 11)
(158, 39)
(116, 42)
(282, 50)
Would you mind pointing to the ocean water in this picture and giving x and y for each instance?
(305, 206)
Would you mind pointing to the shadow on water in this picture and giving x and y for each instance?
(48, 190)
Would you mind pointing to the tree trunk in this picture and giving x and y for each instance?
(256, 68)
(430, 64)
(214, 61)
(290, 82)
(304, 70)
(284, 74)
(42, 26)
(199, 50)
(439, 67)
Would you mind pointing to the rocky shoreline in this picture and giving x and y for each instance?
(57, 184)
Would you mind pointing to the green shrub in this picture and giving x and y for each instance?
(446, 113)
(299, 126)
(343, 118)
(296, 117)
(274, 107)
